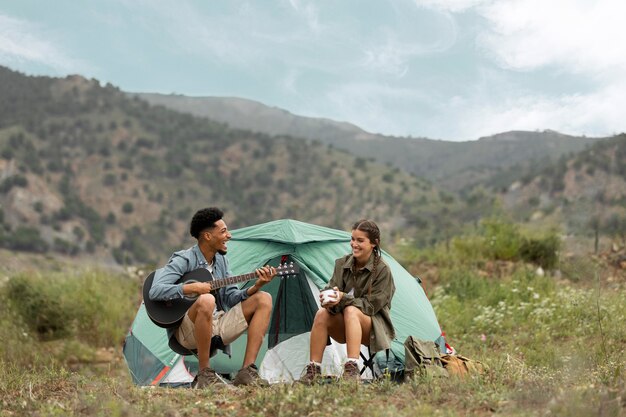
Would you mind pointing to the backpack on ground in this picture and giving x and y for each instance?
(422, 358)
(462, 366)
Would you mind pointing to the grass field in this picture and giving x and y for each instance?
(554, 344)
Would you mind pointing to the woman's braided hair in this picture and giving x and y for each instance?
(373, 234)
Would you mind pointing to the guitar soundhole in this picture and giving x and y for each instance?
(190, 297)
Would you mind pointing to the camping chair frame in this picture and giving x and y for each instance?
(368, 363)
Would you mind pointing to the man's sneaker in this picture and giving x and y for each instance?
(351, 371)
(311, 375)
(249, 375)
(207, 377)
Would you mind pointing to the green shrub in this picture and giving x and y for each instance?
(93, 307)
(65, 247)
(469, 248)
(541, 251)
(109, 179)
(502, 239)
(465, 285)
(15, 335)
(95, 293)
(25, 239)
(40, 306)
(14, 181)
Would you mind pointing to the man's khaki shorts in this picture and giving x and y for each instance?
(229, 326)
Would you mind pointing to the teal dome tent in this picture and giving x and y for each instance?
(285, 351)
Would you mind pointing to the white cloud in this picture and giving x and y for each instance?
(290, 82)
(22, 42)
(389, 58)
(377, 108)
(595, 114)
(393, 49)
(309, 12)
(451, 5)
(581, 36)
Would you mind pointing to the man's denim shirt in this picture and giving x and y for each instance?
(164, 285)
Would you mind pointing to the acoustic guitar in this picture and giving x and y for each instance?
(170, 313)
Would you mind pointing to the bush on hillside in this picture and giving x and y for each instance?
(39, 306)
(14, 181)
(541, 251)
(495, 240)
(501, 240)
(26, 239)
(94, 307)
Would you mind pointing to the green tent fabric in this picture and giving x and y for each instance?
(285, 351)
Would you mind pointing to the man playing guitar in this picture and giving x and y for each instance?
(227, 312)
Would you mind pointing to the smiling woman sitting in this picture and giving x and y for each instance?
(358, 312)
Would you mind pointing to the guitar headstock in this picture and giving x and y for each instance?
(287, 269)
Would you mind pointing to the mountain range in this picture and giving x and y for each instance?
(89, 170)
(454, 166)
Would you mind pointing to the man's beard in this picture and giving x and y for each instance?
(222, 252)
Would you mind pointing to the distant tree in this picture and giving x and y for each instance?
(105, 151)
(595, 223)
(144, 143)
(615, 226)
(7, 153)
(65, 247)
(109, 179)
(90, 247)
(127, 207)
(79, 233)
(14, 181)
(388, 177)
(26, 239)
(541, 251)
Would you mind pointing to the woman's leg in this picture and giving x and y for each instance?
(357, 330)
(325, 324)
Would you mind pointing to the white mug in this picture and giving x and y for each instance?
(329, 296)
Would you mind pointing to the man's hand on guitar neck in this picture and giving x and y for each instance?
(264, 275)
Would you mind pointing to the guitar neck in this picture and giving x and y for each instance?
(284, 270)
(223, 282)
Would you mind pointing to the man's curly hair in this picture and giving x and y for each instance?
(204, 219)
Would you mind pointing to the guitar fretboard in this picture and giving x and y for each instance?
(223, 282)
(281, 270)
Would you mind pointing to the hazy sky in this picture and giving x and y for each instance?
(443, 69)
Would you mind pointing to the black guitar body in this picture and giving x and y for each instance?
(170, 313)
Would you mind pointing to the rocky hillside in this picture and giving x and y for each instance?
(584, 193)
(251, 115)
(84, 169)
(454, 166)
